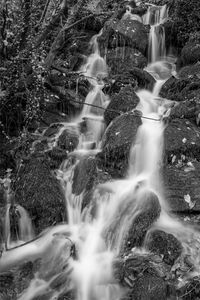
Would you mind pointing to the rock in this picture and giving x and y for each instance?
(190, 53)
(181, 137)
(124, 33)
(116, 144)
(164, 244)
(84, 174)
(143, 78)
(125, 101)
(186, 110)
(149, 211)
(68, 140)
(87, 176)
(182, 186)
(180, 89)
(149, 287)
(143, 274)
(190, 71)
(121, 59)
(39, 192)
(191, 289)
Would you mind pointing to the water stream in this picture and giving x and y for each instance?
(99, 238)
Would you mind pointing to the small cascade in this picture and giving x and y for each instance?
(95, 70)
(18, 226)
(155, 17)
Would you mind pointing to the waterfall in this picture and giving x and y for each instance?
(99, 237)
(155, 17)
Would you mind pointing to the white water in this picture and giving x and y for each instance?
(156, 16)
(99, 238)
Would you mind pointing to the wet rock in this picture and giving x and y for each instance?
(185, 109)
(39, 192)
(84, 174)
(117, 142)
(191, 289)
(149, 211)
(190, 71)
(164, 244)
(150, 287)
(122, 59)
(125, 101)
(181, 137)
(87, 175)
(180, 89)
(56, 156)
(144, 275)
(190, 53)
(182, 186)
(124, 33)
(68, 140)
(117, 82)
(143, 78)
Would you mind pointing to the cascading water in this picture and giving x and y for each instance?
(155, 17)
(99, 237)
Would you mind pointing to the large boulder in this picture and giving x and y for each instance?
(125, 101)
(180, 89)
(122, 59)
(124, 33)
(187, 110)
(39, 192)
(182, 186)
(190, 53)
(164, 244)
(116, 144)
(181, 137)
(149, 211)
(190, 71)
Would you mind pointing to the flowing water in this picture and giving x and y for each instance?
(156, 16)
(99, 237)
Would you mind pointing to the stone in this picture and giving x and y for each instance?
(190, 53)
(39, 192)
(190, 71)
(124, 33)
(149, 211)
(149, 287)
(181, 137)
(143, 78)
(185, 110)
(164, 244)
(116, 144)
(125, 101)
(180, 89)
(121, 59)
(68, 140)
(182, 187)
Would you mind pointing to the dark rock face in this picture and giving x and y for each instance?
(162, 243)
(124, 33)
(68, 140)
(87, 175)
(125, 101)
(144, 79)
(116, 144)
(38, 191)
(181, 137)
(84, 174)
(149, 211)
(190, 53)
(182, 187)
(180, 89)
(186, 110)
(122, 59)
(189, 71)
(150, 287)
(144, 275)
